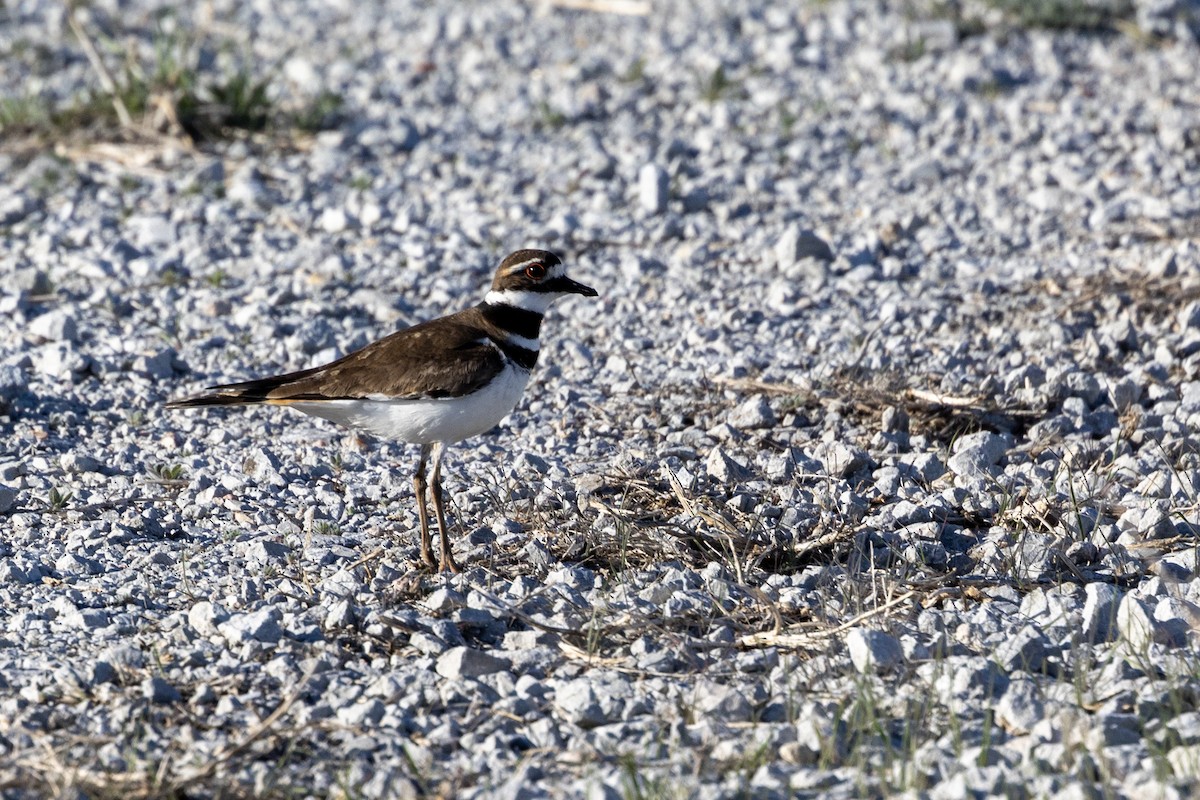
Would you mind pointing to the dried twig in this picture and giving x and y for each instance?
(766, 387)
(226, 754)
(631, 8)
(726, 530)
(825, 540)
(942, 414)
(800, 641)
(368, 558)
(761, 597)
(947, 400)
(93, 57)
(520, 615)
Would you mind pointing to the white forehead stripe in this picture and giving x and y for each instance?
(519, 268)
(552, 270)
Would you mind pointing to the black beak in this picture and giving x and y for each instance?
(565, 284)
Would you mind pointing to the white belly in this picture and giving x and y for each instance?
(447, 419)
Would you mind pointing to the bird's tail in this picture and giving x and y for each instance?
(231, 394)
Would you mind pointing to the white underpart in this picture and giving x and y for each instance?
(523, 298)
(448, 419)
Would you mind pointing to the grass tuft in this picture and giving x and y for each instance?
(58, 500)
(1078, 15)
(167, 87)
(168, 473)
(321, 113)
(716, 85)
(1060, 15)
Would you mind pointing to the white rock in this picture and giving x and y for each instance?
(77, 462)
(797, 244)
(653, 185)
(724, 704)
(578, 701)
(150, 231)
(263, 551)
(370, 214)
(10, 572)
(254, 626)
(334, 220)
(724, 468)
(1125, 393)
(364, 713)
(1100, 604)
(339, 615)
(1148, 522)
(754, 412)
(12, 384)
(204, 616)
(159, 364)
(343, 583)
(1185, 761)
(872, 650)
(157, 690)
(444, 599)
(1021, 707)
(1135, 623)
(840, 459)
(60, 360)
(300, 72)
(245, 185)
(262, 464)
(1025, 649)
(55, 326)
(71, 564)
(467, 662)
(8, 498)
(977, 452)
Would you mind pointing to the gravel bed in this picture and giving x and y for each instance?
(874, 469)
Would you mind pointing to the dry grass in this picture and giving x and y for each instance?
(1083, 299)
(857, 394)
(640, 517)
(158, 97)
(51, 767)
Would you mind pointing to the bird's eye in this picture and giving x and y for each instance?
(536, 271)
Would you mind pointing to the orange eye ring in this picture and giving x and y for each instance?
(536, 271)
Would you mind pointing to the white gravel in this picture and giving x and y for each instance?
(872, 471)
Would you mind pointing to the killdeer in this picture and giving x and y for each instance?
(432, 384)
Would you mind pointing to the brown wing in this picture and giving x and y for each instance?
(447, 357)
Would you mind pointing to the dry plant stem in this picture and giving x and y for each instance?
(516, 613)
(205, 772)
(691, 510)
(937, 398)
(379, 552)
(633, 8)
(823, 541)
(804, 640)
(93, 57)
(761, 597)
(614, 664)
(166, 107)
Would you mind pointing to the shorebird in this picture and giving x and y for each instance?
(432, 384)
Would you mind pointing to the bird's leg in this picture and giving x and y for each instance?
(448, 563)
(419, 486)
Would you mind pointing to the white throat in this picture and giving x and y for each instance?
(523, 299)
